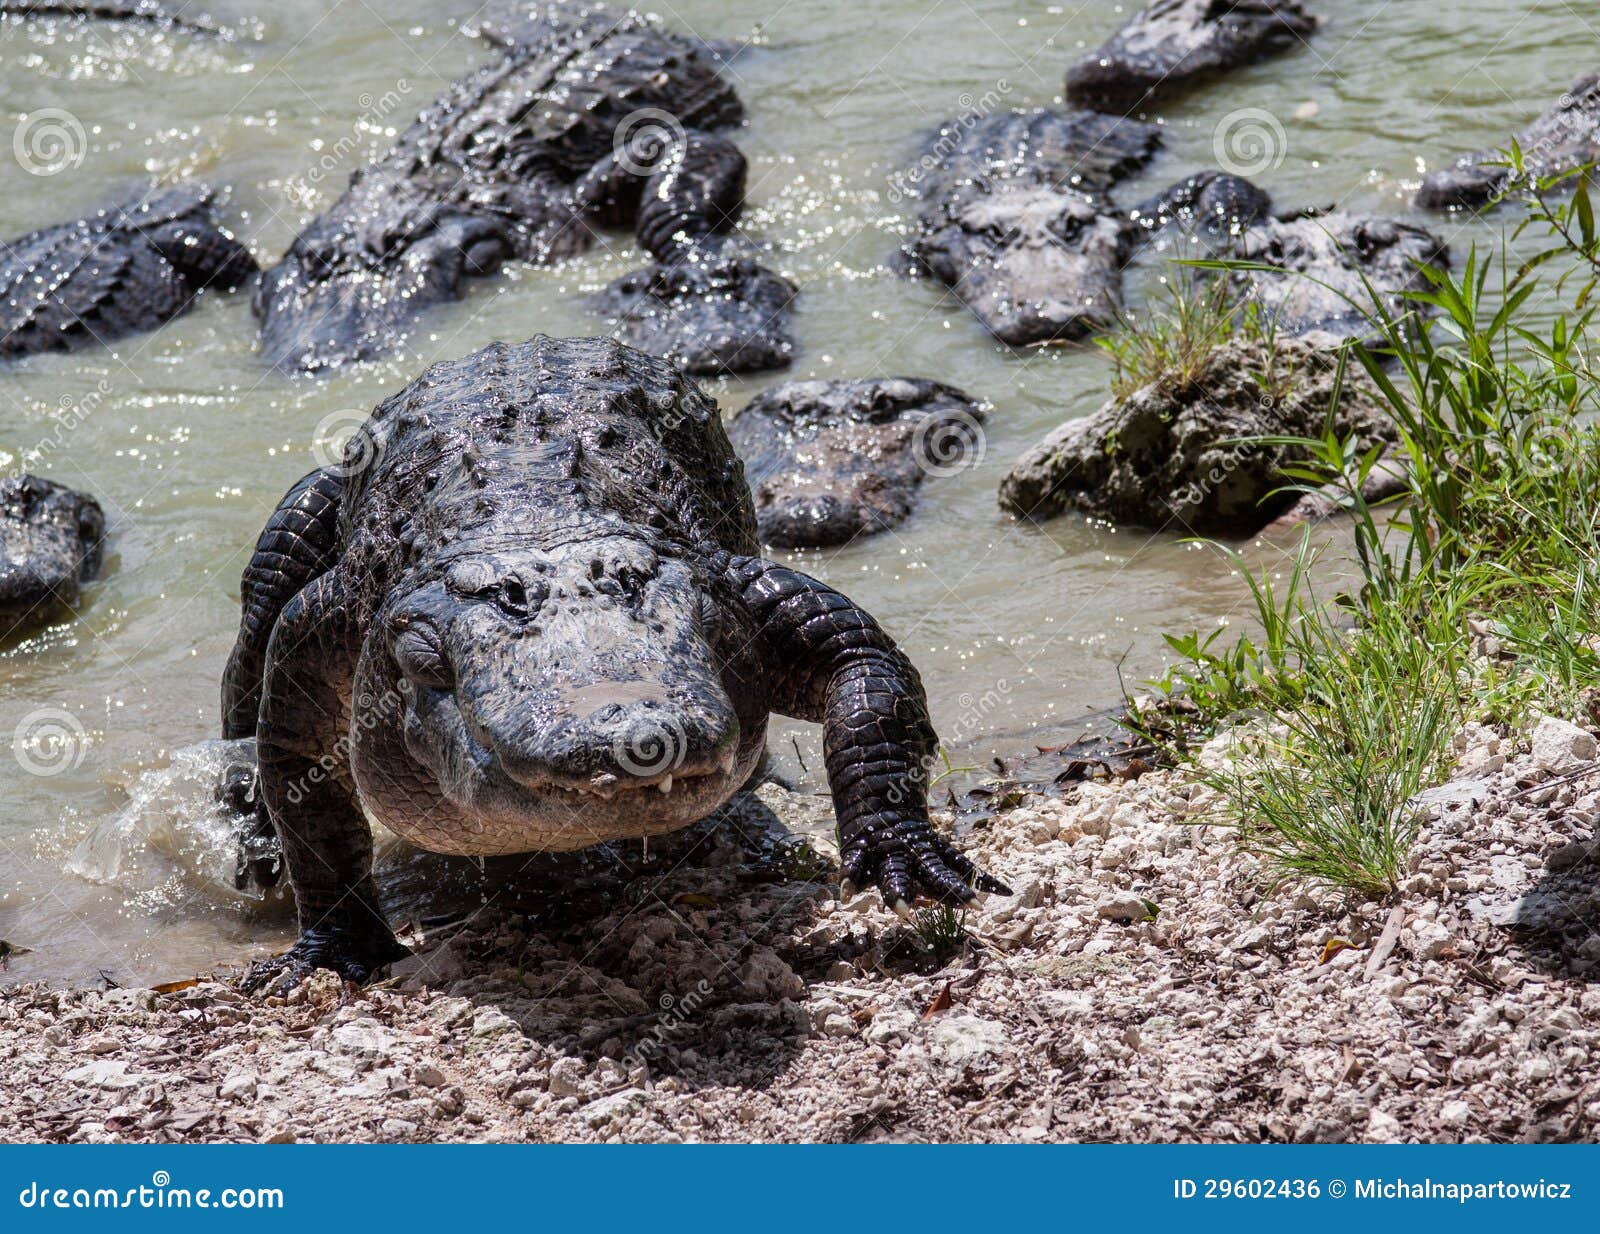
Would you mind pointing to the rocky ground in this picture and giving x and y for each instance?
(1141, 985)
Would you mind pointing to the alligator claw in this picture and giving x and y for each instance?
(353, 957)
(907, 860)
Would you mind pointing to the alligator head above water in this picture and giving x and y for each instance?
(49, 546)
(832, 460)
(1015, 220)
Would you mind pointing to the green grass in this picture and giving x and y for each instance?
(1498, 532)
(1170, 342)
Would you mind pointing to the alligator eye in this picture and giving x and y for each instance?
(420, 657)
(515, 598)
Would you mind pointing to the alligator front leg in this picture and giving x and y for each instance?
(296, 546)
(302, 749)
(836, 667)
(679, 188)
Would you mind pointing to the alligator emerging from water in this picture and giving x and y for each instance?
(1563, 139)
(592, 117)
(1174, 42)
(526, 613)
(121, 271)
(49, 547)
(1014, 218)
(832, 460)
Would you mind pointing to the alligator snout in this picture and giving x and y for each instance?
(621, 745)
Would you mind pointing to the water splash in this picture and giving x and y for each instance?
(173, 832)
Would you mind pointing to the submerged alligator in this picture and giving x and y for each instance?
(1014, 218)
(124, 270)
(1321, 268)
(49, 547)
(1563, 139)
(151, 12)
(1312, 273)
(592, 117)
(527, 613)
(1173, 42)
(832, 460)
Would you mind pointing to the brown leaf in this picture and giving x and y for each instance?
(941, 1003)
(172, 987)
(693, 899)
(1333, 947)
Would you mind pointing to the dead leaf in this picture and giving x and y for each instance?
(941, 1003)
(1333, 947)
(694, 899)
(172, 987)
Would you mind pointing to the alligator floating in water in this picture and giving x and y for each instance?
(123, 270)
(1014, 218)
(1172, 43)
(832, 460)
(151, 12)
(527, 613)
(1313, 272)
(1211, 203)
(1563, 139)
(49, 547)
(592, 117)
(1322, 269)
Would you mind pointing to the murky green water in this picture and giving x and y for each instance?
(189, 441)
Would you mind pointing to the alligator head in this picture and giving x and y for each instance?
(562, 696)
(713, 310)
(49, 544)
(1034, 261)
(347, 292)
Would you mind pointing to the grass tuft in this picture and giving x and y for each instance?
(1479, 595)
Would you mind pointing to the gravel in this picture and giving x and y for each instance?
(1142, 986)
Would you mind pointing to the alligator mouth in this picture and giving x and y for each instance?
(675, 784)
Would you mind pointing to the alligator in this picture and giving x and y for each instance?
(832, 460)
(1318, 271)
(1314, 269)
(1172, 43)
(155, 13)
(526, 612)
(1563, 139)
(1015, 219)
(125, 269)
(592, 117)
(49, 547)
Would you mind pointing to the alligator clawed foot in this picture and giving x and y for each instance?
(353, 957)
(906, 860)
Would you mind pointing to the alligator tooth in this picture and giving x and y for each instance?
(728, 761)
(666, 785)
